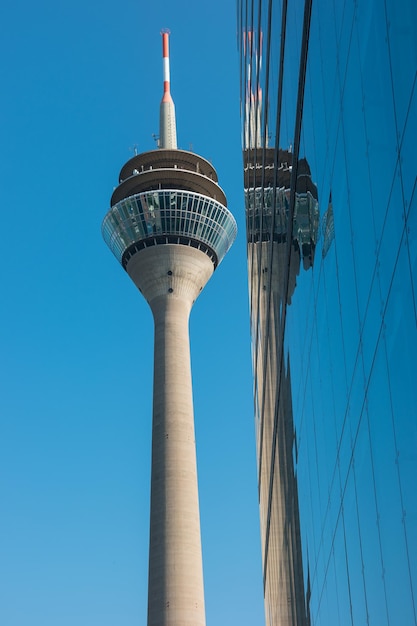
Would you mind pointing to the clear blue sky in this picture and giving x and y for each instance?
(81, 85)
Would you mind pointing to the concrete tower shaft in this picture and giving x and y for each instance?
(170, 271)
(171, 278)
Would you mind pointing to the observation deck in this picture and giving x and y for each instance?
(168, 196)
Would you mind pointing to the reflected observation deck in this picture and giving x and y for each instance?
(267, 191)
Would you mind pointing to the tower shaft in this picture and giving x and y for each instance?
(171, 277)
(176, 593)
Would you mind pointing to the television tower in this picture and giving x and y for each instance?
(169, 228)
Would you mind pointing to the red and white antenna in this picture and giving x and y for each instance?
(167, 124)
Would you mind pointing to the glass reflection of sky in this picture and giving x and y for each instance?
(351, 326)
(355, 405)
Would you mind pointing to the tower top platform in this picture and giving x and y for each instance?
(169, 169)
(168, 158)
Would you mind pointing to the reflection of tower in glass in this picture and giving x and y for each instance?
(276, 245)
(169, 228)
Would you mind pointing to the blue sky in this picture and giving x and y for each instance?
(81, 87)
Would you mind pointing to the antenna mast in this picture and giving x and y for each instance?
(167, 124)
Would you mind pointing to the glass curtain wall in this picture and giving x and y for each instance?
(329, 116)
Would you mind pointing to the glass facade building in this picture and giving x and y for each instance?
(329, 119)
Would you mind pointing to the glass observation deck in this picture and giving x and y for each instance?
(169, 216)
